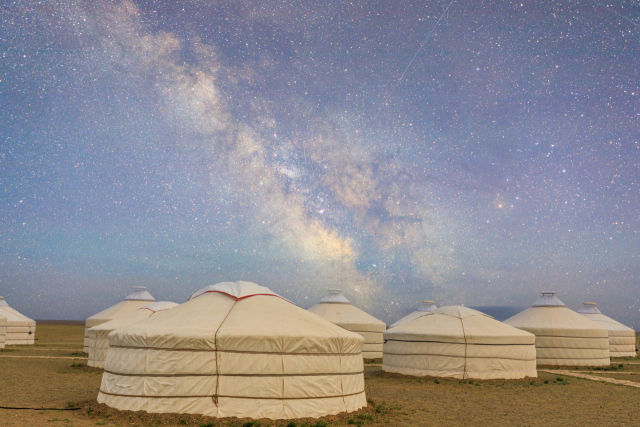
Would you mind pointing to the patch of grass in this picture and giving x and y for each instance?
(71, 404)
(321, 424)
(367, 417)
(89, 411)
(292, 424)
(437, 381)
(251, 424)
(546, 381)
(381, 408)
(207, 425)
(78, 365)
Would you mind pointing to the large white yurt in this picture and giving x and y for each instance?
(338, 310)
(425, 308)
(235, 350)
(3, 330)
(99, 335)
(138, 298)
(622, 339)
(459, 342)
(20, 329)
(563, 337)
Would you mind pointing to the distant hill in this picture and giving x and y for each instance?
(499, 312)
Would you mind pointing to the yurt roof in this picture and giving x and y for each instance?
(426, 307)
(549, 316)
(215, 316)
(14, 316)
(590, 311)
(138, 298)
(140, 313)
(336, 308)
(455, 324)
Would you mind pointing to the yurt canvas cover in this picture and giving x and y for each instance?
(459, 342)
(425, 308)
(336, 308)
(3, 330)
(563, 337)
(235, 350)
(138, 298)
(99, 335)
(20, 329)
(622, 339)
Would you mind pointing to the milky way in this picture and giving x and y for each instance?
(400, 151)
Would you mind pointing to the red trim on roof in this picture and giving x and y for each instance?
(246, 296)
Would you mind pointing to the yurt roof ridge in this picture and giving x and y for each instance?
(427, 305)
(589, 307)
(334, 296)
(237, 290)
(548, 299)
(140, 293)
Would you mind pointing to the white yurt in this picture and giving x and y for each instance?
(622, 339)
(563, 337)
(20, 329)
(459, 342)
(99, 335)
(138, 298)
(425, 308)
(235, 350)
(336, 309)
(3, 331)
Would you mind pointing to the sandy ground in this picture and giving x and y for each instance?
(552, 399)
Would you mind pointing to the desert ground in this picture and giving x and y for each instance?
(49, 384)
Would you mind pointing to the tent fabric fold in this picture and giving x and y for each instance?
(138, 298)
(622, 339)
(20, 330)
(563, 337)
(232, 352)
(99, 335)
(335, 307)
(459, 342)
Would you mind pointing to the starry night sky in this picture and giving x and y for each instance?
(470, 152)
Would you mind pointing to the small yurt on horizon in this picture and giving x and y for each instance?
(563, 337)
(459, 342)
(337, 309)
(21, 330)
(99, 335)
(3, 330)
(426, 307)
(622, 339)
(138, 298)
(235, 349)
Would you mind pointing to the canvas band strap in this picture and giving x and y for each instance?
(195, 350)
(231, 375)
(233, 397)
(460, 357)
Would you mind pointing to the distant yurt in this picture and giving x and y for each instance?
(20, 329)
(459, 342)
(425, 308)
(99, 335)
(563, 337)
(337, 309)
(3, 330)
(622, 339)
(235, 350)
(138, 298)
